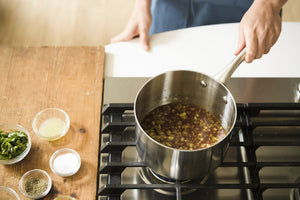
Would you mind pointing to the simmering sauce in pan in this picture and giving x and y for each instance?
(183, 126)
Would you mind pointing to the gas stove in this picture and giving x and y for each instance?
(263, 161)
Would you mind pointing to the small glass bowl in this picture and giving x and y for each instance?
(35, 173)
(64, 197)
(60, 153)
(8, 194)
(51, 113)
(10, 127)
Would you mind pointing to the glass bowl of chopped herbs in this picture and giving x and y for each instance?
(15, 143)
(35, 184)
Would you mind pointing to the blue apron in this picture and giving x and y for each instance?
(176, 14)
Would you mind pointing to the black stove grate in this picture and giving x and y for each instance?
(250, 117)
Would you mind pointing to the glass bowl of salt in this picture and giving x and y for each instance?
(65, 162)
(51, 124)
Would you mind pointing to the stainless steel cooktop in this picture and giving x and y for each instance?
(263, 161)
(244, 90)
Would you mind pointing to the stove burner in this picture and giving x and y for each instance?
(295, 192)
(150, 177)
(165, 179)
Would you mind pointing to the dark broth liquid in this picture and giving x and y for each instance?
(183, 126)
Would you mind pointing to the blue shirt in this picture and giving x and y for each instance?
(169, 15)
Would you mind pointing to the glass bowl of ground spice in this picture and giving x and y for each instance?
(35, 184)
(15, 143)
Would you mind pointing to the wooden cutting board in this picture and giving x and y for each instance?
(70, 78)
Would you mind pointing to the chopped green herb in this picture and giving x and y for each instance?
(12, 144)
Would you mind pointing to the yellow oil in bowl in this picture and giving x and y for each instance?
(51, 124)
(52, 128)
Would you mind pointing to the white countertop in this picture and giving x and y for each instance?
(206, 49)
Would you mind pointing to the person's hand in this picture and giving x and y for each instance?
(138, 25)
(260, 28)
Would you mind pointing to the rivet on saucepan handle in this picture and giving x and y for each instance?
(203, 83)
(224, 75)
(225, 99)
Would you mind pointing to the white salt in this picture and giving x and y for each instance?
(66, 164)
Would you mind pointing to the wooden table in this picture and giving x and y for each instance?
(70, 78)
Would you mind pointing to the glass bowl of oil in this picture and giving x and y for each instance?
(51, 124)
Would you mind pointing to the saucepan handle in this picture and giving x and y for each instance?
(224, 75)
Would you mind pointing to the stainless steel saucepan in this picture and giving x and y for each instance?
(196, 88)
